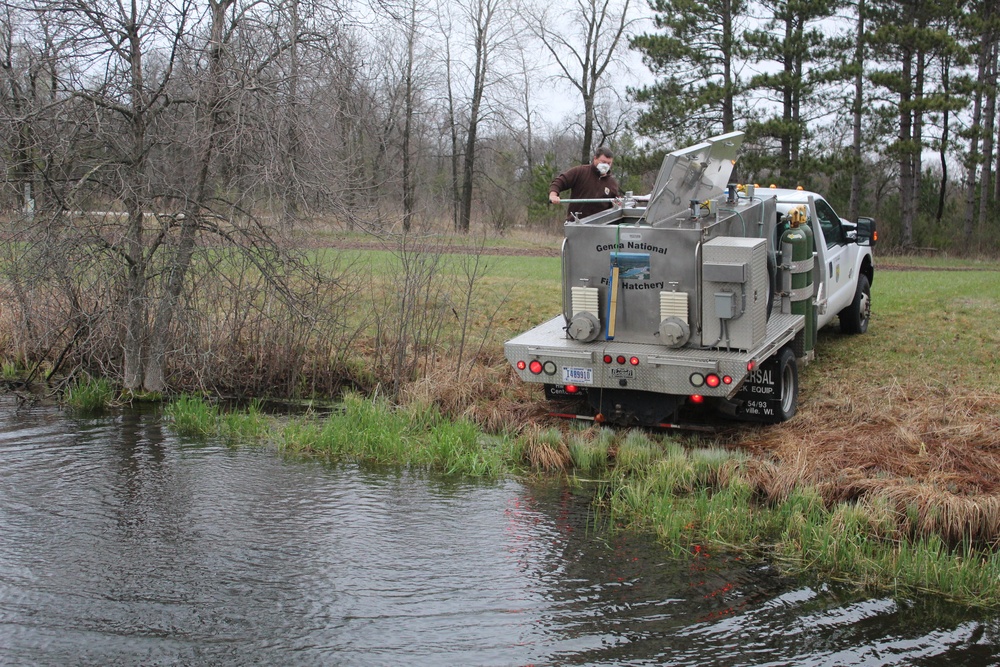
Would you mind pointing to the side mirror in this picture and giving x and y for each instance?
(867, 232)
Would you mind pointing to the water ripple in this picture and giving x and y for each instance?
(122, 544)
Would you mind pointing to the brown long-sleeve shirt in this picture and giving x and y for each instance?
(585, 182)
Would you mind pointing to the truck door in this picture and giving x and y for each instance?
(836, 268)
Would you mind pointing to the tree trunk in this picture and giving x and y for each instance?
(943, 148)
(994, 38)
(135, 288)
(728, 105)
(135, 299)
(854, 210)
(986, 50)
(292, 191)
(453, 131)
(586, 152)
(408, 190)
(478, 88)
(917, 148)
(906, 177)
(785, 158)
(180, 261)
(989, 116)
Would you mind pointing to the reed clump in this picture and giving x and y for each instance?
(373, 430)
(195, 417)
(545, 449)
(88, 395)
(590, 449)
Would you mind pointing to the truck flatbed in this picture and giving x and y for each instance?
(665, 370)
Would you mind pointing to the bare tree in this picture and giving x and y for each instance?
(489, 33)
(208, 118)
(411, 74)
(125, 37)
(135, 149)
(409, 93)
(584, 43)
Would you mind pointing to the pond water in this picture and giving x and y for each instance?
(122, 544)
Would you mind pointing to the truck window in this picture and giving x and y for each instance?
(830, 222)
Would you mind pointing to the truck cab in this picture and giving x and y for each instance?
(844, 270)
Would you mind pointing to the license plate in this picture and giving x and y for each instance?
(577, 375)
(623, 373)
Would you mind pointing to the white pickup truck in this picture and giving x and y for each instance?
(700, 295)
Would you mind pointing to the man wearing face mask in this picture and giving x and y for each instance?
(587, 181)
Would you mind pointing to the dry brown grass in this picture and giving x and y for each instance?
(545, 449)
(932, 453)
(488, 393)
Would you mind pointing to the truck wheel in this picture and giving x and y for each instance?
(854, 319)
(788, 377)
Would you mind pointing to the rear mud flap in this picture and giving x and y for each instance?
(759, 399)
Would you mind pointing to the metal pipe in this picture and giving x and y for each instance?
(586, 201)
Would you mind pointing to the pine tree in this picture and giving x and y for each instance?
(793, 39)
(981, 25)
(909, 37)
(693, 57)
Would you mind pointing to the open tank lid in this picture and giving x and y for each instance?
(696, 172)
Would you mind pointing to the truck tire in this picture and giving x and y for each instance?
(854, 319)
(788, 379)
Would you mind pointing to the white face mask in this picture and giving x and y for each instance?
(603, 168)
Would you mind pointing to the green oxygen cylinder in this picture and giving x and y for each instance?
(797, 251)
(812, 321)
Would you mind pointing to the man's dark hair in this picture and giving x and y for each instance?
(604, 152)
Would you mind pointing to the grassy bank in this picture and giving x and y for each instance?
(698, 496)
(374, 431)
(889, 476)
